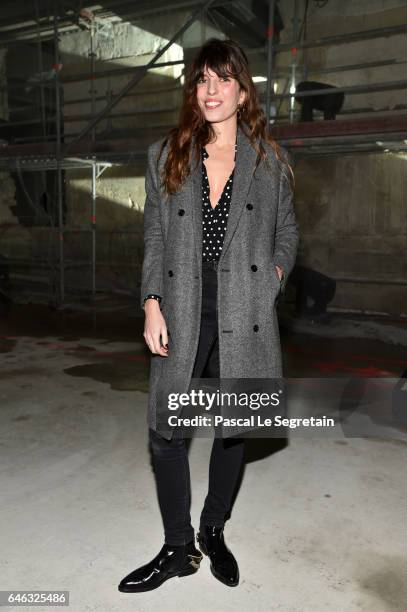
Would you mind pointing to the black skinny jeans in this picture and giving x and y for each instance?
(170, 457)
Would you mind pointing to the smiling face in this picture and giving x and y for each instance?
(218, 97)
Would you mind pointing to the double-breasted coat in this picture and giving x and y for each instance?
(261, 232)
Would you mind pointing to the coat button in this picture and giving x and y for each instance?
(170, 273)
(255, 328)
(249, 206)
(181, 212)
(254, 268)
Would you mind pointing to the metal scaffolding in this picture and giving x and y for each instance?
(61, 151)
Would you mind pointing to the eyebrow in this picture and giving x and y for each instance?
(226, 74)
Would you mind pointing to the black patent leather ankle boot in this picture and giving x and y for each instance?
(223, 564)
(171, 561)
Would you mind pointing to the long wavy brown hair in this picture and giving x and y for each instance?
(227, 59)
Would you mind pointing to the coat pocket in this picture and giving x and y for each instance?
(275, 276)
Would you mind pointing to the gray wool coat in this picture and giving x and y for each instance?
(261, 232)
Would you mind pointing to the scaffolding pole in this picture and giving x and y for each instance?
(93, 226)
(94, 165)
(97, 171)
(41, 91)
(294, 49)
(61, 296)
(270, 58)
(92, 73)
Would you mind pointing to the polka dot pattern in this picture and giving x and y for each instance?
(214, 220)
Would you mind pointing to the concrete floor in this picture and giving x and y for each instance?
(317, 525)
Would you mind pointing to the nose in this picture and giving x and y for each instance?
(211, 86)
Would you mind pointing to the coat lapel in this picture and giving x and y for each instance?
(244, 167)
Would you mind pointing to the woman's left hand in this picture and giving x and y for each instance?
(280, 272)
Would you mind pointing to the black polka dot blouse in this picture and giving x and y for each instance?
(214, 220)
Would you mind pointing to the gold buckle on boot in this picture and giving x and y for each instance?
(195, 561)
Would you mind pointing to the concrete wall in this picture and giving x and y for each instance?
(118, 46)
(119, 221)
(352, 215)
(351, 208)
(3, 83)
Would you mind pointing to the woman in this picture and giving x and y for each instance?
(220, 241)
